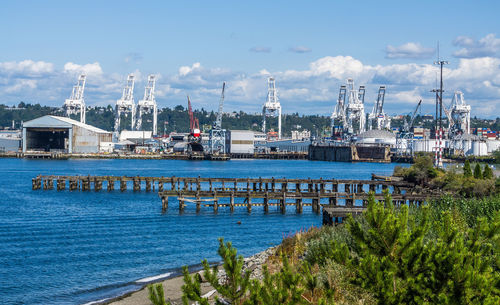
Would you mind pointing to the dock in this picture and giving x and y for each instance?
(338, 197)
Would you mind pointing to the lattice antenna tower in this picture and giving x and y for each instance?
(76, 103)
(126, 104)
(272, 106)
(148, 104)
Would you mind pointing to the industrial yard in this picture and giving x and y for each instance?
(353, 134)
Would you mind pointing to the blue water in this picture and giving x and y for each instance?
(73, 247)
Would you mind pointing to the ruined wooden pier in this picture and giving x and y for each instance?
(339, 197)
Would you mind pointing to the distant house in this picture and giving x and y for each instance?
(61, 134)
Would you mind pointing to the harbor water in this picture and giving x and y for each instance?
(78, 247)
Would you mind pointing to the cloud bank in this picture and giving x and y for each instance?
(312, 90)
(409, 50)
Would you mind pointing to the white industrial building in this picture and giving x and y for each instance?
(374, 136)
(241, 141)
(61, 134)
(136, 136)
(10, 141)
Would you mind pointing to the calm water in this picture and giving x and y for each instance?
(72, 248)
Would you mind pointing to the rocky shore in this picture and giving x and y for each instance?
(173, 286)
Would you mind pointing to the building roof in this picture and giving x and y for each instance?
(52, 121)
(377, 134)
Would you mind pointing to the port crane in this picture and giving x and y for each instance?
(148, 105)
(194, 124)
(355, 110)
(272, 106)
(126, 105)
(76, 103)
(217, 137)
(377, 114)
(460, 114)
(404, 140)
(339, 111)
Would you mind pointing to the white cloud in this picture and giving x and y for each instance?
(260, 49)
(89, 69)
(299, 49)
(311, 90)
(470, 48)
(28, 68)
(410, 50)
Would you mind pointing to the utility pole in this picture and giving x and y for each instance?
(439, 124)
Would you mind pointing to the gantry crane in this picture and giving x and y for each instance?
(217, 136)
(148, 105)
(355, 109)
(76, 103)
(377, 114)
(126, 104)
(272, 106)
(339, 111)
(404, 140)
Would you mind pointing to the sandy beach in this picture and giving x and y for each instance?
(173, 286)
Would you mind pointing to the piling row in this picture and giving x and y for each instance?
(340, 196)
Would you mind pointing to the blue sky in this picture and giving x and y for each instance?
(311, 47)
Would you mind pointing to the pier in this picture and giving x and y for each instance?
(338, 197)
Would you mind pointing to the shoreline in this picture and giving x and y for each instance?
(172, 283)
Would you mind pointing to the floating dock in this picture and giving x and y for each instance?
(338, 197)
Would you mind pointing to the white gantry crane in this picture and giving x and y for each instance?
(460, 114)
(355, 109)
(75, 103)
(217, 136)
(126, 104)
(382, 120)
(148, 105)
(339, 111)
(272, 107)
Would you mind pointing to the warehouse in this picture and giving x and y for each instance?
(61, 134)
(241, 141)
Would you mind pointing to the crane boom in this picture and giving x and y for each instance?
(218, 122)
(413, 116)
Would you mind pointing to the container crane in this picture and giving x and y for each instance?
(377, 114)
(76, 103)
(217, 137)
(126, 104)
(355, 108)
(272, 106)
(339, 111)
(404, 140)
(148, 105)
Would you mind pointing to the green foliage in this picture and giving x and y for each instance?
(192, 288)
(156, 294)
(488, 172)
(423, 257)
(467, 169)
(477, 172)
(234, 287)
(421, 171)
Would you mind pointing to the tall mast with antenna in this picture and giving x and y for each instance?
(439, 133)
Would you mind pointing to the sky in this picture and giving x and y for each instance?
(309, 47)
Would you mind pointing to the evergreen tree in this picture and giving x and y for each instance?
(234, 287)
(487, 173)
(467, 169)
(477, 172)
(156, 295)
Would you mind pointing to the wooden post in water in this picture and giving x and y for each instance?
(97, 184)
(298, 205)
(123, 185)
(160, 185)
(137, 184)
(283, 204)
(148, 185)
(61, 184)
(249, 203)
(111, 185)
(164, 203)
(198, 204)
(266, 203)
(216, 203)
(231, 202)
